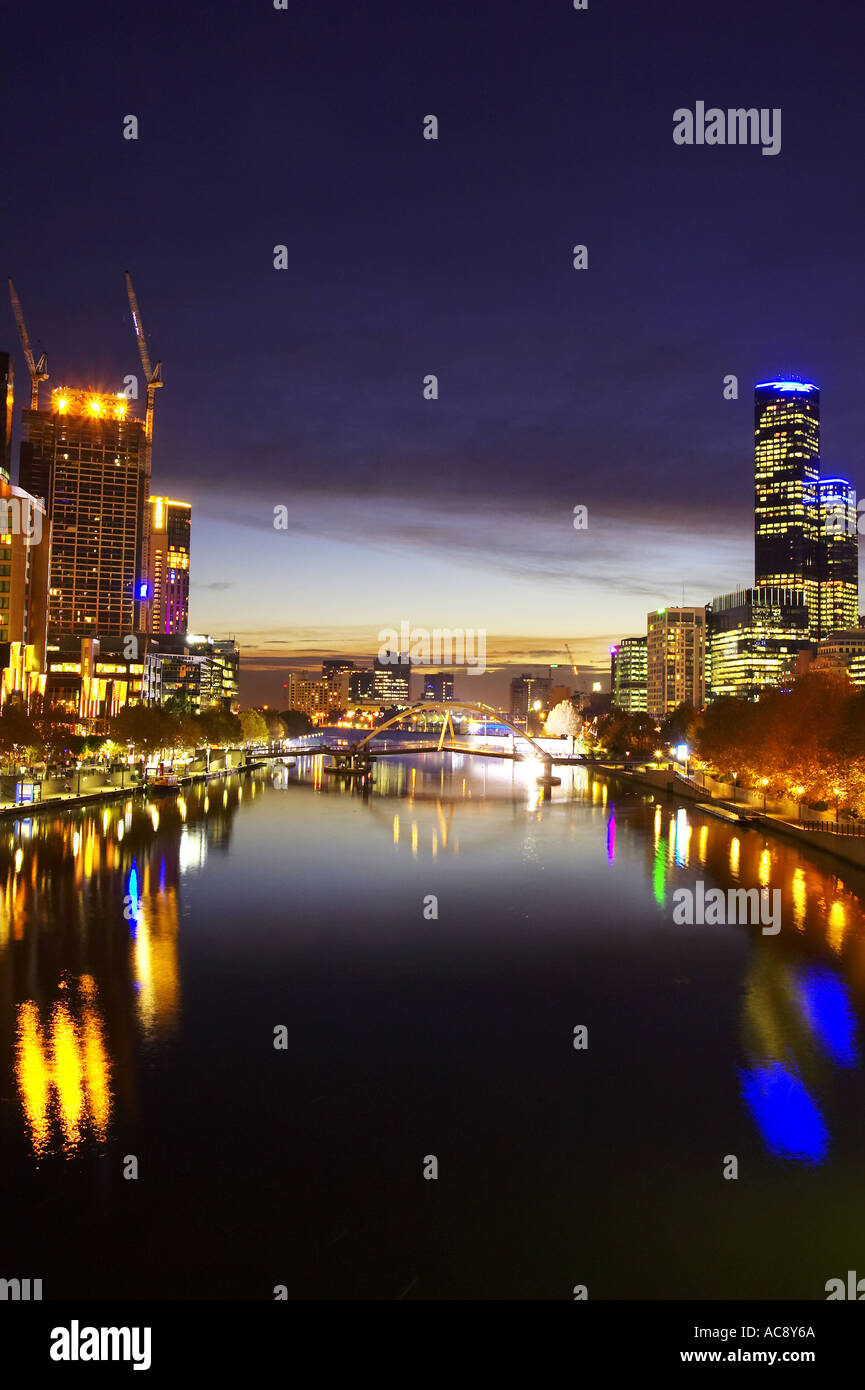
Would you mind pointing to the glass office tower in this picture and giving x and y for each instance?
(786, 473)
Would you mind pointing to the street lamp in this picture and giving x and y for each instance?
(764, 782)
(798, 792)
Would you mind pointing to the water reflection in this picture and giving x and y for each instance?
(89, 918)
(799, 1016)
(91, 906)
(63, 1070)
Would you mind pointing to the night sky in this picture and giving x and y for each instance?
(303, 387)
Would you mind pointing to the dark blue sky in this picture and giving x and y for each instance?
(604, 387)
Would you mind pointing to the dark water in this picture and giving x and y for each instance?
(147, 955)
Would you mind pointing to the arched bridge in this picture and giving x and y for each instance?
(449, 708)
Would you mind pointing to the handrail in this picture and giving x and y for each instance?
(831, 827)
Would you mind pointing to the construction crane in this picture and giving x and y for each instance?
(153, 376)
(574, 666)
(38, 370)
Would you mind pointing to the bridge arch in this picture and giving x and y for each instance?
(448, 707)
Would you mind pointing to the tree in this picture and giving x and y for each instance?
(563, 719)
(295, 722)
(253, 726)
(145, 726)
(178, 702)
(19, 736)
(679, 725)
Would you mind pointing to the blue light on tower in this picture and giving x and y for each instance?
(143, 590)
(786, 386)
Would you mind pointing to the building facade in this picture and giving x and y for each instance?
(526, 692)
(87, 458)
(786, 473)
(90, 679)
(628, 675)
(202, 672)
(438, 686)
(844, 652)
(165, 590)
(757, 638)
(7, 395)
(805, 529)
(361, 685)
(675, 659)
(837, 557)
(310, 695)
(25, 557)
(392, 680)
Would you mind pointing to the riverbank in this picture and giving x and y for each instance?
(849, 849)
(65, 801)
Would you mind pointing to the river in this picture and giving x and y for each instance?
(422, 954)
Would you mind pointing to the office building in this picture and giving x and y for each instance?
(391, 681)
(786, 473)
(675, 660)
(88, 458)
(336, 672)
(628, 674)
(361, 686)
(844, 652)
(527, 692)
(438, 686)
(25, 550)
(757, 638)
(165, 589)
(837, 557)
(199, 671)
(90, 679)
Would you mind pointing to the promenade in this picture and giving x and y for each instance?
(748, 807)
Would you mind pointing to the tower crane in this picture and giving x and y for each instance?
(574, 666)
(153, 376)
(38, 370)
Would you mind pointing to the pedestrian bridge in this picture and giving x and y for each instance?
(522, 746)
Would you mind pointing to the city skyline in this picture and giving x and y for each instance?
(557, 388)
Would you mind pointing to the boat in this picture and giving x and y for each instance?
(168, 784)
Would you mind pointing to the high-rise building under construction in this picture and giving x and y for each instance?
(88, 458)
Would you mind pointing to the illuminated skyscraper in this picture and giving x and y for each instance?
(675, 660)
(786, 472)
(7, 378)
(837, 557)
(628, 675)
(756, 639)
(391, 682)
(87, 457)
(166, 604)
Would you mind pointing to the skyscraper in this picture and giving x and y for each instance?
(786, 473)
(165, 608)
(628, 675)
(837, 557)
(7, 379)
(391, 682)
(88, 458)
(675, 659)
